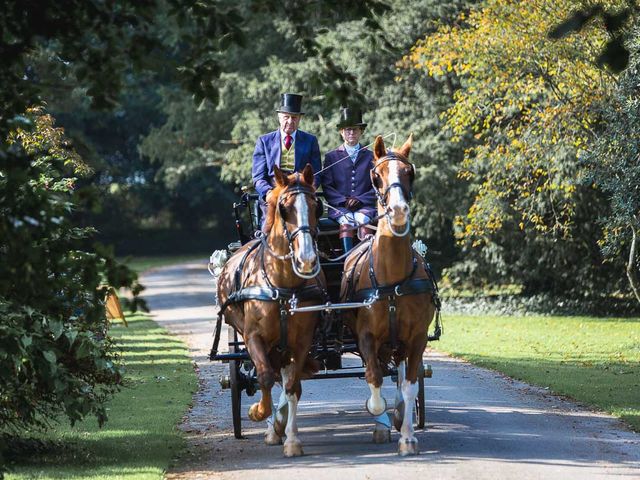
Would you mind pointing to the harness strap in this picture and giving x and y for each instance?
(411, 287)
(238, 273)
(351, 280)
(216, 337)
(393, 322)
(284, 334)
(270, 294)
(408, 286)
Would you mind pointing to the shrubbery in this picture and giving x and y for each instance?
(55, 353)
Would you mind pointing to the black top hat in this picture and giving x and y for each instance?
(350, 117)
(290, 103)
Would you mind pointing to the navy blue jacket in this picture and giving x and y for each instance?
(269, 150)
(343, 178)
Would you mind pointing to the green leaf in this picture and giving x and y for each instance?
(84, 348)
(56, 327)
(71, 336)
(50, 356)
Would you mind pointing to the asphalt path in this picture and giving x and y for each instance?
(480, 424)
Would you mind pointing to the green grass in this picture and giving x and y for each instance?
(141, 264)
(593, 360)
(140, 438)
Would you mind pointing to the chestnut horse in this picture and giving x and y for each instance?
(387, 269)
(258, 285)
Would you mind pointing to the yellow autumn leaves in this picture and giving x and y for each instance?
(526, 107)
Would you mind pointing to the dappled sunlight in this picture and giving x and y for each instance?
(139, 438)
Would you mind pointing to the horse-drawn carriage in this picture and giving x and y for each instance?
(296, 306)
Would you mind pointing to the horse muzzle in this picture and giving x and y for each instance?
(305, 259)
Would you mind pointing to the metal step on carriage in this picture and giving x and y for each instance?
(332, 341)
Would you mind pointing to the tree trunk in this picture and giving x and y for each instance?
(631, 264)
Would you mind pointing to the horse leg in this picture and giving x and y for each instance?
(398, 412)
(277, 421)
(292, 390)
(266, 378)
(376, 404)
(408, 443)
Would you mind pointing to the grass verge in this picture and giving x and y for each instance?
(140, 438)
(593, 360)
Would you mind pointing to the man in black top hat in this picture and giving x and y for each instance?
(346, 180)
(289, 148)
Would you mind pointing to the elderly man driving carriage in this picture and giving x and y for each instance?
(288, 147)
(346, 179)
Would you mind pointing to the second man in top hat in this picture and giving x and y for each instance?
(346, 178)
(289, 148)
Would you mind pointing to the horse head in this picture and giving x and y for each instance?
(292, 215)
(392, 177)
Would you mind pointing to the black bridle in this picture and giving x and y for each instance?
(407, 193)
(294, 190)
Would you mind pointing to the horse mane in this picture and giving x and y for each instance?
(272, 200)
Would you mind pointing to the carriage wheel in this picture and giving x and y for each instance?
(235, 379)
(420, 401)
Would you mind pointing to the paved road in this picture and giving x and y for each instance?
(481, 425)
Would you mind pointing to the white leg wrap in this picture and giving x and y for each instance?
(292, 445)
(376, 405)
(409, 394)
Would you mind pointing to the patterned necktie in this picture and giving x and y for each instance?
(288, 140)
(354, 153)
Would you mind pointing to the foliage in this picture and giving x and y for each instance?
(224, 135)
(525, 110)
(612, 165)
(614, 54)
(594, 360)
(55, 353)
(140, 439)
(48, 271)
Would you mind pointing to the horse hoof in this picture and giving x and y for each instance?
(407, 447)
(379, 411)
(382, 435)
(293, 449)
(255, 414)
(272, 438)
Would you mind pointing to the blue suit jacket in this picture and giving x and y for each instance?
(268, 152)
(343, 178)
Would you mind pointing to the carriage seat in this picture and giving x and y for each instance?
(326, 224)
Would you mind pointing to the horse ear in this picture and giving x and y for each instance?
(281, 178)
(379, 150)
(307, 174)
(405, 149)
